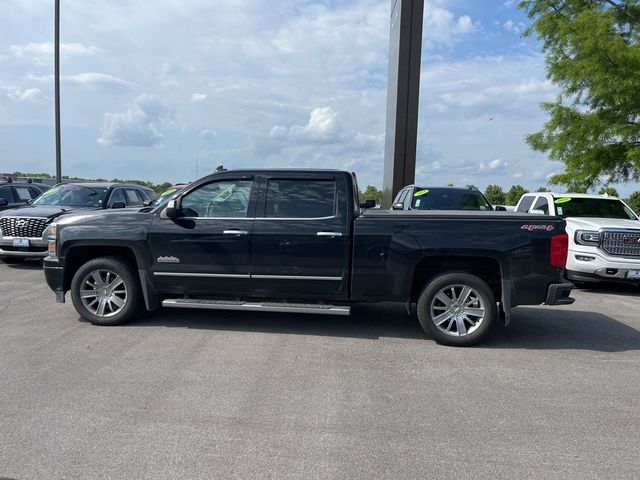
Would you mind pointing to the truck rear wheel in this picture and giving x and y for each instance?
(105, 291)
(457, 309)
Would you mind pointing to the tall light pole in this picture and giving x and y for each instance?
(56, 75)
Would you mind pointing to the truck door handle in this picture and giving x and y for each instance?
(329, 234)
(235, 231)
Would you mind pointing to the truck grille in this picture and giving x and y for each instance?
(23, 227)
(621, 243)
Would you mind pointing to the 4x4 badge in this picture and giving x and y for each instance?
(168, 260)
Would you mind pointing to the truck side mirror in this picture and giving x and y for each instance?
(118, 205)
(171, 210)
(368, 204)
(536, 211)
(4, 202)
(500, 208)
(398, 206)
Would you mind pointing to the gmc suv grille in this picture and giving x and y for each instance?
(626, 244)
(23, 227)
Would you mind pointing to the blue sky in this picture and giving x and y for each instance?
(149, 89)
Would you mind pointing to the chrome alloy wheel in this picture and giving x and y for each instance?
(457, 310)
(103, 293)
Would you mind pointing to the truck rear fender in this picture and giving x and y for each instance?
(487, 268)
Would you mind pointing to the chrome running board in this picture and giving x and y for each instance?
(256, 306)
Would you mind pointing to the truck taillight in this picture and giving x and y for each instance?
(559, 250)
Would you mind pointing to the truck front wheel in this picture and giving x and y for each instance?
(457, 309)
(105, 291)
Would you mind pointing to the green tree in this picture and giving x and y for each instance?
(543, 189)
(495, 195)
(612, 192)
(514, 194)
(471, 186)
(592, 50)
(634, 202)
(371, 193)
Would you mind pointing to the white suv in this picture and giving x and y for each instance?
(604, 234)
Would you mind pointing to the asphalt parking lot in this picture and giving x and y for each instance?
(190, 395)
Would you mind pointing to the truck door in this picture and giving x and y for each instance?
(207, 249)
(301, 238)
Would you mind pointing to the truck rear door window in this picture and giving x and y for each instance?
(300, 198)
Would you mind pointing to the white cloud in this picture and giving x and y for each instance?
(442, 28)
(29, 94)
(496, 164)
(513, 27)
(140, 126)
(322, 125)
(208, 134)
(198, 97)
(42, 53)
(93, 80)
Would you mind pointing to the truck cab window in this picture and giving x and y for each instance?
(229, 198)
(542, 204)
(300, 199)
(525, 204)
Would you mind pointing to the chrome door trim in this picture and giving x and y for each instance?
(201, 275)
(296, 277)
(329, 234)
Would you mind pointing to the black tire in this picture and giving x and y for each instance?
(13, 260)
(132, 292)
(462, 315)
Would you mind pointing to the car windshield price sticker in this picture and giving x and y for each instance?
(562, 200)
(420, 193)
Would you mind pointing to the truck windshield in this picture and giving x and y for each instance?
(73, 196)
(592, 207)
(448, 199)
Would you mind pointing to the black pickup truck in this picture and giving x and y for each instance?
(299, 241)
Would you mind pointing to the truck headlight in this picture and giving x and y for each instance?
(587, 237)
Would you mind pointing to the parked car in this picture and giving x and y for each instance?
(413, 197)
(16, 194)
(170, 192)
(23, 230)
(604, 234)
(299, 241)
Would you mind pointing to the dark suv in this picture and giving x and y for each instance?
(23, 230)
(17, 194)
(413, 197)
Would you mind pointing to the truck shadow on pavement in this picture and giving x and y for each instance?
(618, 289)
(531, 328)
(26, 265)
(540, 328)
